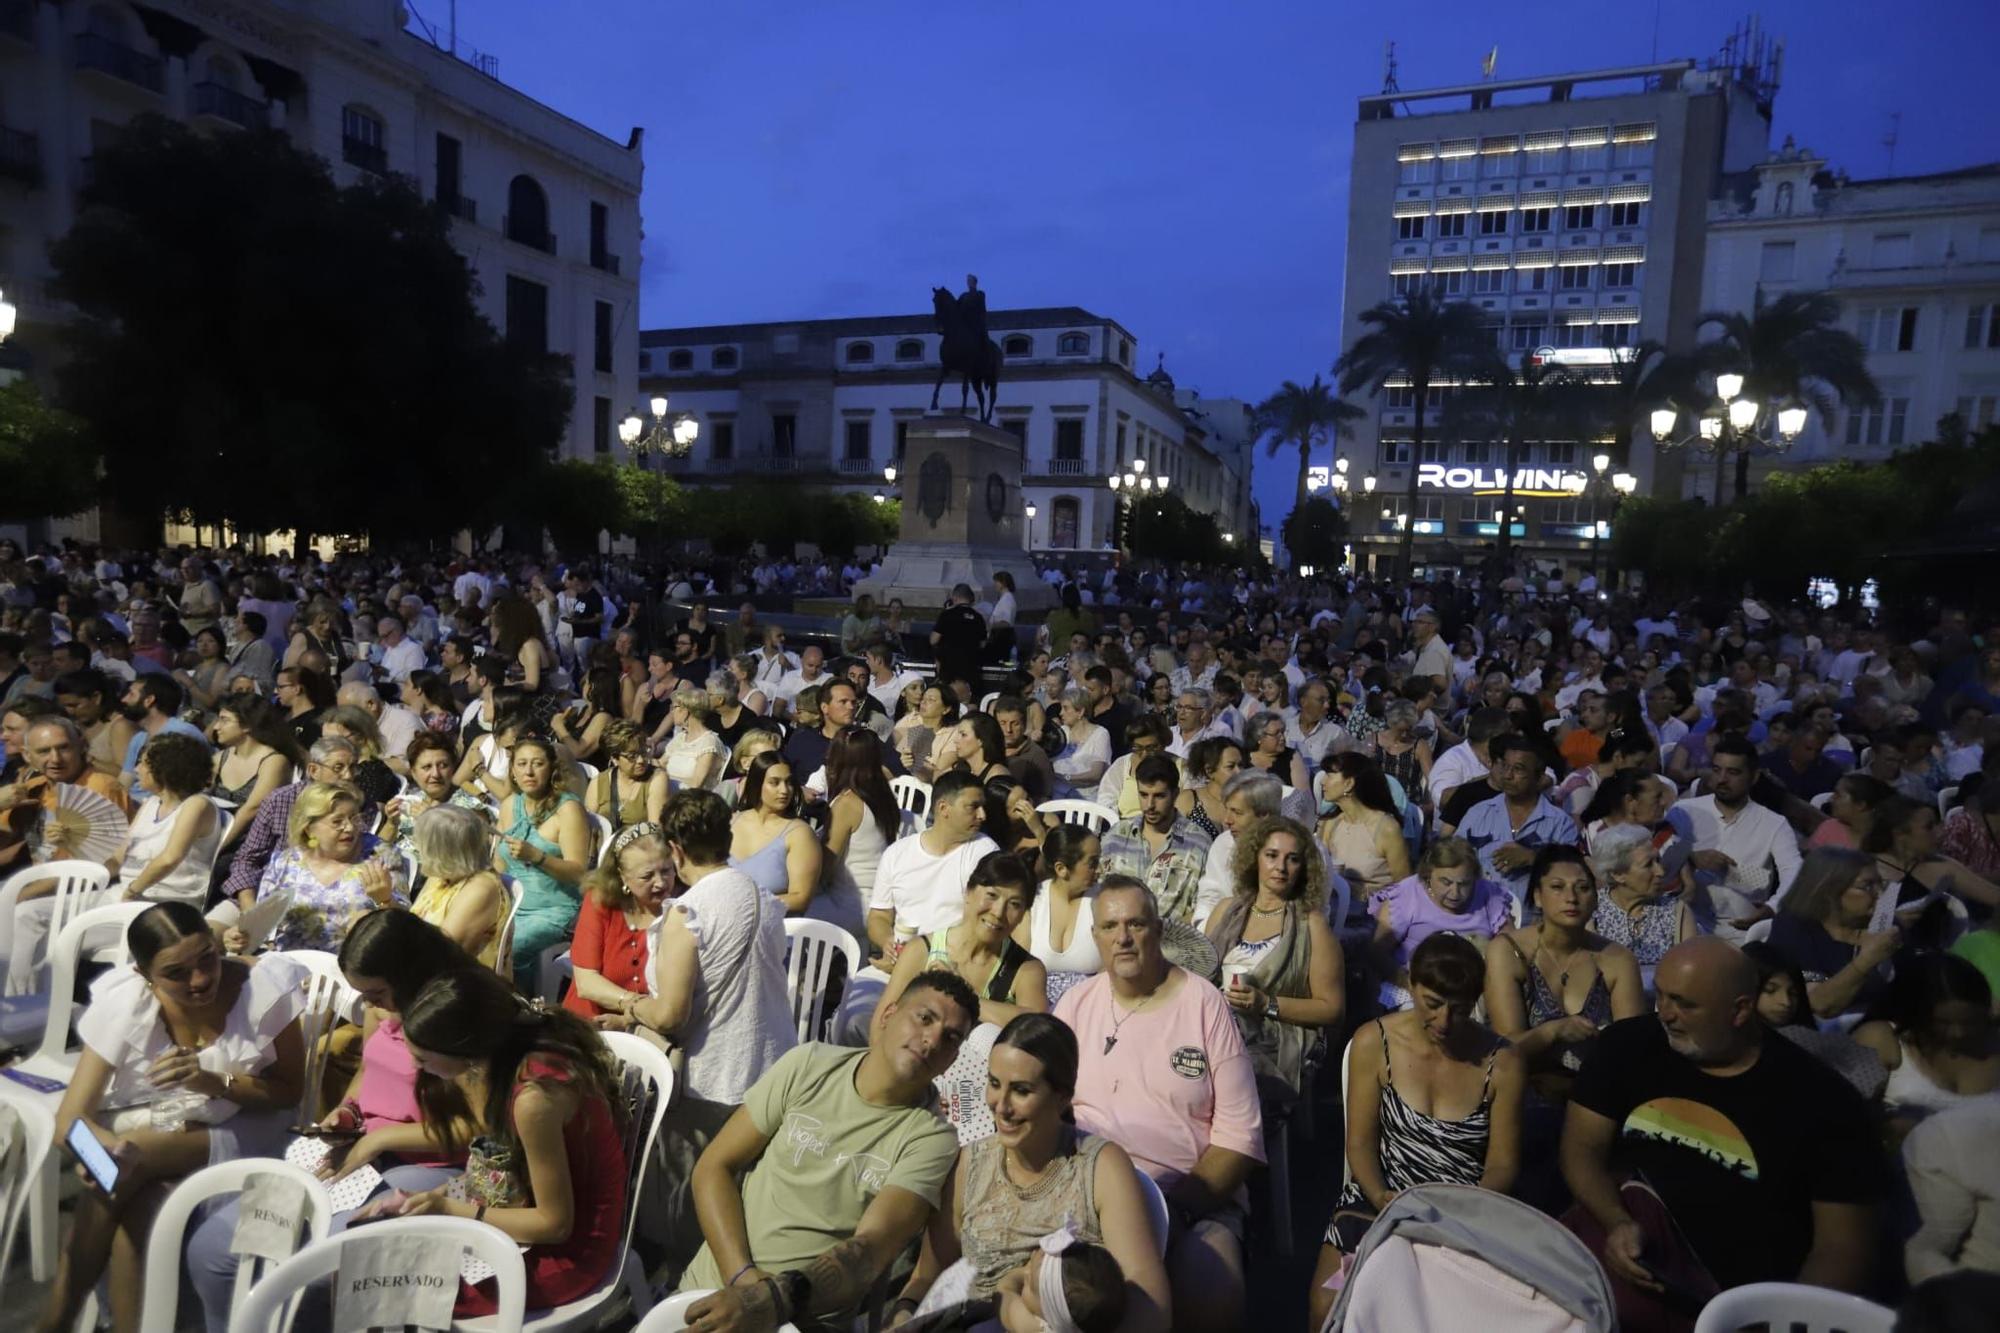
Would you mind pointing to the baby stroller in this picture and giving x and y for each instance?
(1445, 1258)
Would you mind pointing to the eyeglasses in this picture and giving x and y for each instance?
(342, 821)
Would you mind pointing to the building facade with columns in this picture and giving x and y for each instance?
(827, 403)
(544, 209)
(1915, 262)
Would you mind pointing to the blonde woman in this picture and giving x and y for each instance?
(372, 775)
(461, 895)
(753, 744)
(632, 789)
(696, 755)
(336, 873)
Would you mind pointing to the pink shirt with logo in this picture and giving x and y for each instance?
(1175, 1081)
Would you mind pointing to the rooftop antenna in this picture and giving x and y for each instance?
(1654, 57)
(1389, 84)
(1889, 139)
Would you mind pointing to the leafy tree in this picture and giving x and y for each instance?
(1535, 402)
(577, 500)
(1420, 338)
(1788, 349)
(1307, 416)
(46, 465)
(654, 507)
(1314, 534)
(259, 347)
(1163, 527)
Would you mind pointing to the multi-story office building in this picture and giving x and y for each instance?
(545, 210)
(1915, 261)
(1570, 210)
(828, 403)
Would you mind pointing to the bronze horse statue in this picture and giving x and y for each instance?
(976, 359)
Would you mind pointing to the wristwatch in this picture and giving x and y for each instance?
(1271, 1009)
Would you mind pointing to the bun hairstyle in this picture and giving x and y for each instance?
(160, 927)
(473, 1014)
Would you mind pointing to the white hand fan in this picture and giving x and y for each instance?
(84, 826)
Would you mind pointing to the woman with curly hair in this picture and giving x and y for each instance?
(1281, 964)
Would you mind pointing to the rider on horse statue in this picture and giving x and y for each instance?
(965, 347)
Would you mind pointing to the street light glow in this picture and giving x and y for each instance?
(1791, 420)
(1663, 422)
(1599, 463)
(1743, 413)
(1728, 385)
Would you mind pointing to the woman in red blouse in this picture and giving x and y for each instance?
(612, 951)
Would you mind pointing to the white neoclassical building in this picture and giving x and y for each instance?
(544, 209)
(827, 402)
(1915, 261)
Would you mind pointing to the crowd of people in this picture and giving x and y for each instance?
(1675, 921)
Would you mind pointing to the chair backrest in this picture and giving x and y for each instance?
(600, 836)
(1759, 932)
(986, 703)
(670, 1315)
(503, 953)
(78, 885)
(649, 1086)
(1090, 814)
(912, 794)
(589, 771)
(1156, 1209)
(1823, 802)
(163, 1246)
(1340, 899)
(1794, 1308)
(1346, 1170)
(63, 959)
(37, 1121)
(413, 872)
(1947, 797)
(261, 1310)
(809, 950)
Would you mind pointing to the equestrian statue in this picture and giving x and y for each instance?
(966, 349)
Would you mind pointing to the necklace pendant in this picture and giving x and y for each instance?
(1109, 1042)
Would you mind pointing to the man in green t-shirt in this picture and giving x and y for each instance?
(845, 1154)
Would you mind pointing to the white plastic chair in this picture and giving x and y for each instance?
(1156, 1209)
(551, 966)
(646, 1062)
(670, 1315)
(79, 884)
(263, 1308)
(53, 1058)
(1823, 802)
(1758, 932)
(986, 703)
(1346, 1168)
(809, 950)
(163, 1247)
(1946, 795)
(912, 795)
(38, 1134)
(1090, 814)
(600, 836)
(503, 953)
(1793, 1308)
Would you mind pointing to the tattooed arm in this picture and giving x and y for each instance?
(718, 1203)
(843, 1276)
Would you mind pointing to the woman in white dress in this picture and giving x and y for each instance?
(1060, 926)
(1086, 751)
(696, 756)
(170, 848)
(863, 819)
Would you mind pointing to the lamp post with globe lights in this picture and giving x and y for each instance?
(1130, 486)
(1599, 486)
(671, 435)
(1738, 425)
(8, 314)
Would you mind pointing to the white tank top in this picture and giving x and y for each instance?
(186, 882)
(1081, 955)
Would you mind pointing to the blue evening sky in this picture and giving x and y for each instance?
(1180, 167)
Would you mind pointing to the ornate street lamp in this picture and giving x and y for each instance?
(671, 435)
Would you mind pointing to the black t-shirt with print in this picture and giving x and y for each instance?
(1738, 1161)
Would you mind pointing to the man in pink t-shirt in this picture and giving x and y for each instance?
(1164, 1075)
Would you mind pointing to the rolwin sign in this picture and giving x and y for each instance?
(1528, 481)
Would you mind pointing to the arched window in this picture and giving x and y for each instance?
(860, 353)
(1064, 521)
(722, 358)
(528, 214)
(1017, 344)
(910, 349)
(1073, 344)
(680, 359)
(1784, 197)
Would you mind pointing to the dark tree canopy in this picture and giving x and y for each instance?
(258, 346)
(45, 466)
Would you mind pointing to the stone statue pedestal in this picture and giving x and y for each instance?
(962, 520)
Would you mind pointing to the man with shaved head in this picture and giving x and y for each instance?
(1704, 1156)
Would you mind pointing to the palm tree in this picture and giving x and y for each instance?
(1421, 338)
(1533, 403)
(1306, 415)
(1788, 350)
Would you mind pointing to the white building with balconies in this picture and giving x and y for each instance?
(828, 403)
(1915, 261)
(544, 209)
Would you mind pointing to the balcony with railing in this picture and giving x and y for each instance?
(535, 236)
(20, 156)
(459, 206)
(225, 103)
(361, 153)
(121, 62)
(857, 467)
(604, 261)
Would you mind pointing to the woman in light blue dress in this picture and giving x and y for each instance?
(545, 848)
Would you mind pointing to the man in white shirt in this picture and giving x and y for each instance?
(885, 683)
(1745, 854)
(1465, 762)
(1312, 733)
(1193, 721)
(812, 671)
(1433, 653)
(474, 579)
(401, 654)
(418, 622)
(398, 725)
(920, 881)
